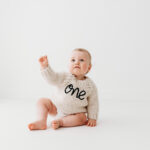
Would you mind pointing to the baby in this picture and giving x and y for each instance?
(77, 97)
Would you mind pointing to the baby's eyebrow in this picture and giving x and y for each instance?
(78, 58)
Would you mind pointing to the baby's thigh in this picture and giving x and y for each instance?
(81, 116)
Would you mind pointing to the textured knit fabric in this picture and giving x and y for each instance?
(73, 95)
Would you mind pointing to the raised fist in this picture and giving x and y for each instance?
(43, 61)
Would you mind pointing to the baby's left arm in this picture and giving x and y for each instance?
(93, 107)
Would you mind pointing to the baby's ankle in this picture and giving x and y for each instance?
(60, 123)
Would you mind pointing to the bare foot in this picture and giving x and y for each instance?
(38, 125)
(56, 124)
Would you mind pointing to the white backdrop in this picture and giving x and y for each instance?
(115, 32)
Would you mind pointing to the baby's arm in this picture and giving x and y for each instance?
(93, 107)
(48, 74)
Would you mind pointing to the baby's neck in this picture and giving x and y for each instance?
(82, 77)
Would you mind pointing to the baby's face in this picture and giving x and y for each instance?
(79, 63)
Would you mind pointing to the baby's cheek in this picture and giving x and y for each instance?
(85, 68)
(70, 68)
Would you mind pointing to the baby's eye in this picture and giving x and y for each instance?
(81, 60)
(72, 60)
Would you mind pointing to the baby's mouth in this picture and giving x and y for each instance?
(76, 67)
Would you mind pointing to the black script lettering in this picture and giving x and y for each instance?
(82, 93)
(73, 90)
(70, 88)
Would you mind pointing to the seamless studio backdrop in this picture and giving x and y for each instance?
(116, 33)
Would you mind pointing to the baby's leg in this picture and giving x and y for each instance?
(70, 121)
(44, 106)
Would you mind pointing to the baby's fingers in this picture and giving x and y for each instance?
(89, 124)
(43, 58)
(40, 59)
(94, 124)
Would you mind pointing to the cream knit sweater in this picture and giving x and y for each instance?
(73, 95)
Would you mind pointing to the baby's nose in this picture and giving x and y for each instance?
(76, 62)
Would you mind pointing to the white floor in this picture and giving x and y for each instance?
(122, 126)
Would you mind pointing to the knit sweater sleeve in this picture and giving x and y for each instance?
(93, 104)
(52, 77)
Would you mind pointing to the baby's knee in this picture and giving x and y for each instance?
(43, 101)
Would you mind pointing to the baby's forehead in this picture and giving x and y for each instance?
(79, 54)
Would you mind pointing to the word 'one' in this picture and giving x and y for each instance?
(79, 94)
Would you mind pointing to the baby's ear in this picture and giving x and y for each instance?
(90, 66)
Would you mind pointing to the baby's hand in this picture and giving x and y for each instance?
(91, 122)
(43, 62)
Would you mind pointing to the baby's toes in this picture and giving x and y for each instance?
(55, 124)
(31, 126)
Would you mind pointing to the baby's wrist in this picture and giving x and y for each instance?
(91, 119)
(44, 66)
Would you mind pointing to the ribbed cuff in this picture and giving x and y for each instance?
(92, 116)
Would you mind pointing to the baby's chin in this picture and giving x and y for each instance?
(77, 73)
